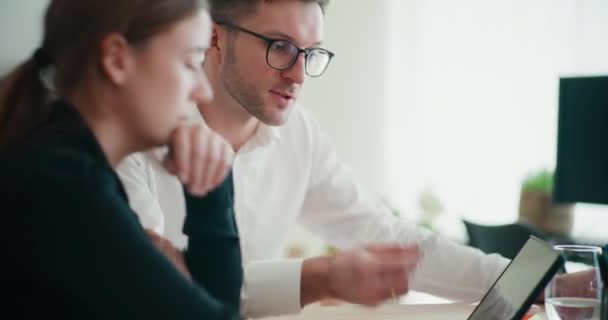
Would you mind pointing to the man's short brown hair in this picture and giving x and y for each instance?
(234, 10)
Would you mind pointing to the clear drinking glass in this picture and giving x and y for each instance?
(575, 291)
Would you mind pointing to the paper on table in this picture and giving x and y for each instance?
(453, 311)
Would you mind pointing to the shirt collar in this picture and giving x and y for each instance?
(266, 134)
(263, 136)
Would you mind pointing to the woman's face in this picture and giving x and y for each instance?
(167, 80)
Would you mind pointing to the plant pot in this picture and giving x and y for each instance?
(537, 208)
(560, 221)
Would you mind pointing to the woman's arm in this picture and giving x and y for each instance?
(86, 237)
(213, 255)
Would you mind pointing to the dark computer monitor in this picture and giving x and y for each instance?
(581, 174)
(582, 150)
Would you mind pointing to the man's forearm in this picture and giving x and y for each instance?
(366, 276)
(315, 280)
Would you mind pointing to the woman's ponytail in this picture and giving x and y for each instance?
(23, 100)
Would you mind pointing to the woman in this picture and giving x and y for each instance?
(124, 73)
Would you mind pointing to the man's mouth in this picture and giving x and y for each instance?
(283, 95)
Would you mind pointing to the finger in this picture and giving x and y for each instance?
(387, 293)
(168, 163)
(408, 258)
(396, 281)
(409, 255)
(374, 296)
(393, 248)
(152, 235)
(534, 309)
(406, 266)
(181, 264)
(150, 232)
(157, 240)
(175, 256)
(197, 152)
(164, 245)
(179, 150)
(381, 294)
(402, 285)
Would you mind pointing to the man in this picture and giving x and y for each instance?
(286, 172)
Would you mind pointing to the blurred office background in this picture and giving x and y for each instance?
(440, 107)
(451, 105)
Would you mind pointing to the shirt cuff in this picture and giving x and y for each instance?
(272, 288)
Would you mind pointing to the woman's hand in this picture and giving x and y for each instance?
(172, 253)
(199, 157)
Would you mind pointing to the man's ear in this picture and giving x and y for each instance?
(116, 58)
(214, 37)
(217, 44)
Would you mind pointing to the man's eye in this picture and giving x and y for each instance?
(281, 47)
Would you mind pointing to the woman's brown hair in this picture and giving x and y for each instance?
(73, 31)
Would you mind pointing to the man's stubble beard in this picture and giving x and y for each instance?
(243, 92)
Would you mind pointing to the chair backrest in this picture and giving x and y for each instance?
(505, 240)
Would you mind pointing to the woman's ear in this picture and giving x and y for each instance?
(116, 58)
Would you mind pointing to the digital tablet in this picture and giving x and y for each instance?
(520, 283)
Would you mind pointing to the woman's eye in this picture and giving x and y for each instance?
(194, 66)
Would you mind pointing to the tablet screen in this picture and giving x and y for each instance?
(520, 283)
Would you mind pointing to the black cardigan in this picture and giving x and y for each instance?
(75, 250)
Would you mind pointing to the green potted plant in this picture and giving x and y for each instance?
(536, 205)
(430, 207)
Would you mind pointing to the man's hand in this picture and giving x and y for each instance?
(199, 157)
(582, 284)
(366, 276)
(168, 250)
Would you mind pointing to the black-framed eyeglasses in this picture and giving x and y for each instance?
(282, 54)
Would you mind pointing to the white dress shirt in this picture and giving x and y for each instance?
(291, 174)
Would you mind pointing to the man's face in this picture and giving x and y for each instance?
(266, 93)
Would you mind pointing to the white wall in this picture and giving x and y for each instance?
(20, 30)
(349, 99)
(472, 106)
